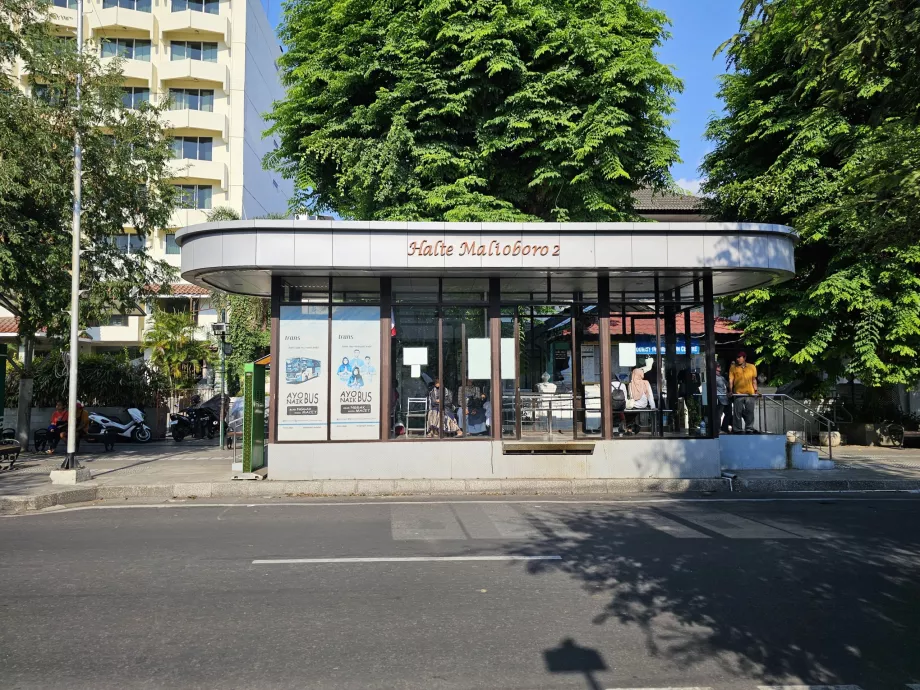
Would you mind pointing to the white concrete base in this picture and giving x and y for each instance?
(71, 477)
(767, 452)
(484, 459)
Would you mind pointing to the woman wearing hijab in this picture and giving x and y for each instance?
(640, 390)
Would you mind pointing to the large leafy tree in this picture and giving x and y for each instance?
(821, 131)
(125, 180)
(473, 109)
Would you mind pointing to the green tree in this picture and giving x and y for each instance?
(175, 349)
(219, 213)
(820, 132)
(126, 156)
(475, 110)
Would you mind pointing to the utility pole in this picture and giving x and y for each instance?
(70, 460)
(220, 329)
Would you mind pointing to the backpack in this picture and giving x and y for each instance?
(618, 397)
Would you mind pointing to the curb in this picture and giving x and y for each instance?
(435, 487)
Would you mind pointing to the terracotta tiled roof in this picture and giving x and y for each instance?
(9, 324)
(646, 326)
(648, 201)
(181, 290)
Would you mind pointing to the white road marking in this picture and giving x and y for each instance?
(787, 498)
(668, 688)
(556, 524)
(667, 525)
(424, 522)
(495, 521)
(808, 687)
(913, 686)
(405, 559)
(732, 526)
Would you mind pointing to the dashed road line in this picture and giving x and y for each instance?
(732, 526)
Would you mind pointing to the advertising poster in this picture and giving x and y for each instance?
(355, 359)
(303, 383)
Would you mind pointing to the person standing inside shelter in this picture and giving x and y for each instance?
(742, 382)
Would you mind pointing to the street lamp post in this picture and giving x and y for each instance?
(220, 330)
(70, 460)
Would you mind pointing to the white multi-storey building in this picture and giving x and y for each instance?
(215, 60)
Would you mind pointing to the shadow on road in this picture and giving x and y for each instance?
(843, 608)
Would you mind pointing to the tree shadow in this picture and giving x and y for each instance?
(841, 607)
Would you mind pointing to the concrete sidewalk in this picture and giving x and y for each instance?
(164, 470)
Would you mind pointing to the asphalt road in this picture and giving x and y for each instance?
(674, 594)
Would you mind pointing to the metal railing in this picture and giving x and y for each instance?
(795, 415)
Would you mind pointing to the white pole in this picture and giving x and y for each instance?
(70, 461)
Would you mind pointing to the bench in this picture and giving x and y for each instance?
(9, 453)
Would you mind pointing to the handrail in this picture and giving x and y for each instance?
(808, 415)
(812, 411)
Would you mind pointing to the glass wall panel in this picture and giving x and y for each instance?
(467, 373)
(545, 372)
(415, 290)
(414, 354)
(634, 376)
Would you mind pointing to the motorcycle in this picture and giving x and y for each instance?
(186, 421)
(134, 430)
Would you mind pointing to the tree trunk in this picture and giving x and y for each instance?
(24, 417)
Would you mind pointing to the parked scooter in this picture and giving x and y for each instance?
(197, 420)
(134, 429)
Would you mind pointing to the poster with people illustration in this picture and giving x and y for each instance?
(355, 390)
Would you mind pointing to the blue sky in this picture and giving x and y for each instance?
(698, 28)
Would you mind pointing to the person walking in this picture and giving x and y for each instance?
(742, 382)
(721, 400)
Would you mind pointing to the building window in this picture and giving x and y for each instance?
(193, 50)
(131, 48)
(206, 6)
(195, 195)
(196, 148)
(171, 246)
(115, 320)
(68, 4)
(133, 96)
(191, 99)
(129, 243)
(49, 94)
(139, 5)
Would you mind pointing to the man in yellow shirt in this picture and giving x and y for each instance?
(742, 383)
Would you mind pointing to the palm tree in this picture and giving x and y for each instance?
(175, 349)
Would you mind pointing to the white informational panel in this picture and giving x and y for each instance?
(355, 383)
(303, 381)
(627, 354)
(479, 359)
(415, 355)
(507, 358)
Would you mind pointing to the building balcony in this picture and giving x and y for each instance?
(63, 17)
(207, 25)
(199, 120)
(195, 70)
(121, 18)
(211, 171)
(134, 69)
(184, 217)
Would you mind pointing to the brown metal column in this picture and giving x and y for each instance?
(495, 337)
(574, 314)
(603, 338)
(275, 307)
(712, 422)
(386, 367)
